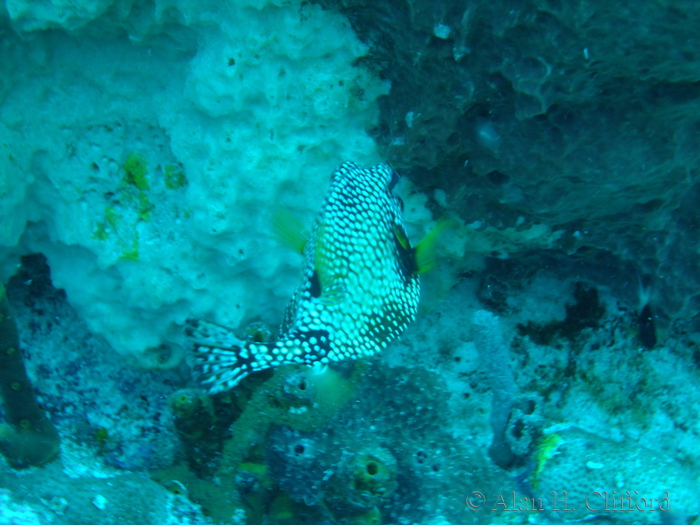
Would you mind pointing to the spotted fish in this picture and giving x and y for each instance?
(359, 290)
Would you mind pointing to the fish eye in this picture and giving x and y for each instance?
(395, 178)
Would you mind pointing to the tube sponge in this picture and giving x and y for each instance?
(362, 480)
(29, 438)
(193, 416)
(495, 356)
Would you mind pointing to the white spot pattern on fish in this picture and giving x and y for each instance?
(359, 291)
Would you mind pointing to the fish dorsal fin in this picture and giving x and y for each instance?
(289, 230)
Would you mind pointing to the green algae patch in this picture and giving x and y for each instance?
(136, 170)
(131, 252)
(144, 208)
(174, 177)
(107, 225)
(126, 239)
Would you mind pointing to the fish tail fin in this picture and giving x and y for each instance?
(221, 359)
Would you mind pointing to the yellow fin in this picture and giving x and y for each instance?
(319, 262)
(330, 281)
(289, 230)
(321, 265)
(426, 257)
(401, 237)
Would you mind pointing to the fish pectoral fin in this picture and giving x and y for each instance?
(330, 282)
(289, 230)
(334, 294)
(426, 249)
